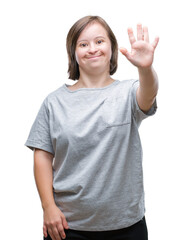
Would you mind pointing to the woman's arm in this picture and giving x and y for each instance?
(54, 219)
(148, 89)
(141, 56)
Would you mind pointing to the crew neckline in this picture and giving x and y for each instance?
(88, 89)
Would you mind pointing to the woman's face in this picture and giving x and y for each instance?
(93, 49)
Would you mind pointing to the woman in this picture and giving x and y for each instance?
(87, 150)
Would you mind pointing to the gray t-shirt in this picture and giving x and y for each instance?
(97, 166)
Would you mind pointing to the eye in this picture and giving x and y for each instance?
(83, 44)
(99, 41)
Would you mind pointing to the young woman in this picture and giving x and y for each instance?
(87, 150)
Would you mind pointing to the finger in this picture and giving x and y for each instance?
(64, 222)
(51, 234)
(55, 235)
(146, 34)
(155, 43)
(45, 231)
(61, 231)
(139, 32)
(60, 226)
(125, 52)
(131, 36)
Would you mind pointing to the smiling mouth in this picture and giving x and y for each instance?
(93, 57)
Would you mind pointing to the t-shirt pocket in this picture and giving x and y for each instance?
(116, 112)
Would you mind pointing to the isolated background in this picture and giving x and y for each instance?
(33, 63)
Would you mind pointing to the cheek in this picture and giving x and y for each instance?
(109, 53)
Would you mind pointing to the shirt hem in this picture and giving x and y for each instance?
(116, 227)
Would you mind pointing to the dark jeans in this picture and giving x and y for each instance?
(138, 231)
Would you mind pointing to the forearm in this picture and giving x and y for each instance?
(148, 82)
(54, 219)
(148, 88)
(44, 177)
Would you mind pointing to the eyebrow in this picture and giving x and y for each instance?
(87, 40)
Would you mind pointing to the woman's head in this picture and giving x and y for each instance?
(72, 39)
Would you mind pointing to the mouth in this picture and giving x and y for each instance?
(94, 57)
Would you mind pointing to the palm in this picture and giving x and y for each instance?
(142, 52)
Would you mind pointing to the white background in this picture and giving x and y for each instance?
(33, 62)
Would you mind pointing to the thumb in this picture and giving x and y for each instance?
(155, 43)
(125, 52)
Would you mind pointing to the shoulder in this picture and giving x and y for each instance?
(54, 95)
(128, 83)
(124, 87)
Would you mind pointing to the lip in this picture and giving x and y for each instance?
(93, 57)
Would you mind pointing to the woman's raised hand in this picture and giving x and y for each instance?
(142, 52)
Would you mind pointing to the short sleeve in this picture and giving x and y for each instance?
(39, 136)
(138, 114)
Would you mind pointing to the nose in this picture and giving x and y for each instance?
(93, 48)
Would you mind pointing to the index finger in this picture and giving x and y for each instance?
(61, 231)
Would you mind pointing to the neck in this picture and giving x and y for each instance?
(94, 80)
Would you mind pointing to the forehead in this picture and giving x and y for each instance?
(93, 30)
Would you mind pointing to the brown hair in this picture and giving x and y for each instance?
(72, 37)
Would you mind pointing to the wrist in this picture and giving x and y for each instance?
(145, 70)
(47, 205)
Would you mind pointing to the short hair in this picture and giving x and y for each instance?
(71, 41)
